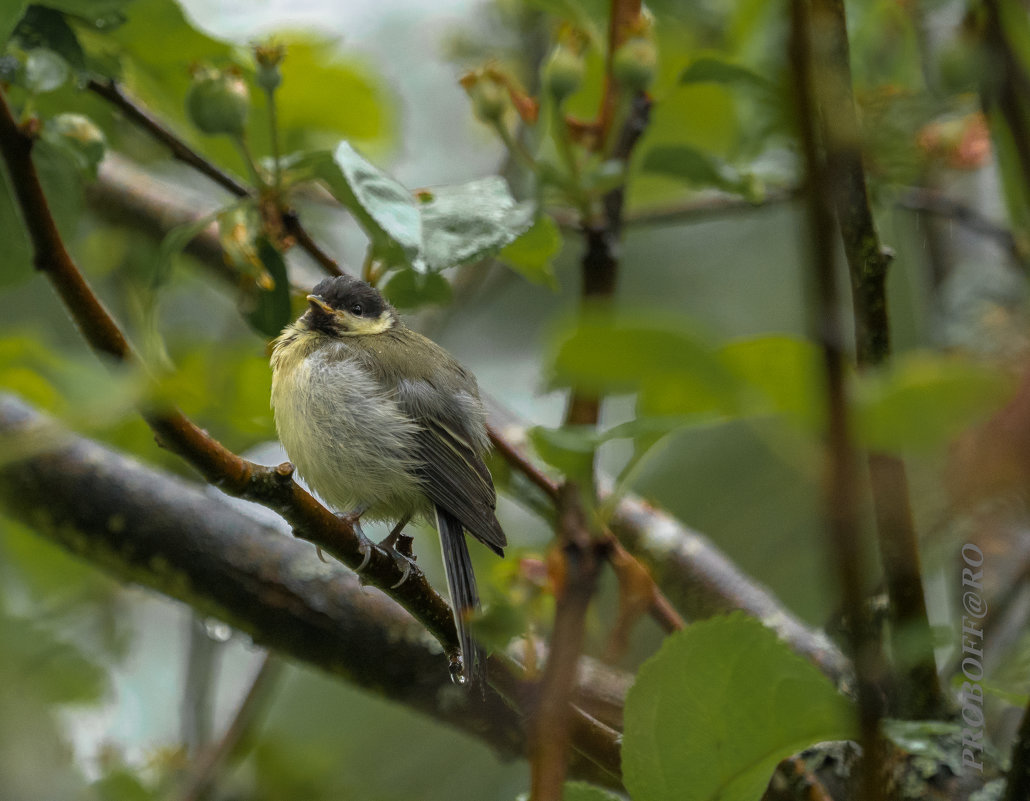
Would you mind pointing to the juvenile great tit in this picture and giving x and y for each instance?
(384, 424)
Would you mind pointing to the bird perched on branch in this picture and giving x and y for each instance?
(385, 424)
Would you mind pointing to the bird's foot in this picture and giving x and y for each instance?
(365, 545)
(398, 545)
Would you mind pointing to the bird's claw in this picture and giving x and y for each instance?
(405, 566)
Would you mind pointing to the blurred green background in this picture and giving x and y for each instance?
(92, 672)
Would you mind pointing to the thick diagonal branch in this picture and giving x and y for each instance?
(199, 547)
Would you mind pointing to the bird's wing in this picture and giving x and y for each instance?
(454, 475)
(457, 479)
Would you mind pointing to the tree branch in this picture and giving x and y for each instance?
(808, 36)
(198, 547)
(582, 557)
(138, 115)
(917, 694)
(203, 778)
(274, 488)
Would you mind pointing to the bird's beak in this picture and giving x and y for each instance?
(319, 305)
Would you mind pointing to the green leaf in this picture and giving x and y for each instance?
(924, 400)
(649, 435)
(16, 265)
(122, 785)
(695, 167)
(409, 289)
(570, 449)
(10, 14)
(358, 109)
(47, 29)
(271, 312)
(712, 70)
(175, 241)
(89, 9)
(532, 254)
(675, 370)
(470, 221)
(385, 210)
(81, 140)
(61, 175)
(581, 791)
(38, 662)
(716, 709)
(784, 376)
(45, 71)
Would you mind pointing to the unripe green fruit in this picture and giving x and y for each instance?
(634, 63)
(489, 99)
(218, 102)
(80, 133)
(269, 57)
(563, 73)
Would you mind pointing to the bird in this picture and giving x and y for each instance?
(384, 424)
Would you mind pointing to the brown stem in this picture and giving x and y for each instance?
(582, 553)
(582, 558)
(622, 15)
(138, 115)
(808, 29)
(918, 694)
(600, 265)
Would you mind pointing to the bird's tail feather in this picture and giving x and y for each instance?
(461, 582)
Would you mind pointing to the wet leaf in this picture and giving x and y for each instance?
(471, 221)
(716, 709)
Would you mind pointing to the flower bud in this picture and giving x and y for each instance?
(563, 72)
(218, 102)
(634, 63)
(81, 134)
(490, 98)
(268, 58)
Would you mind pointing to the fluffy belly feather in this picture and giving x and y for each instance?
(346, 436)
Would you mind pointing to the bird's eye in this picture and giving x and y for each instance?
(356, 309)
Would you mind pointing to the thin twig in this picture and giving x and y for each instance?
(552, 719)
(918, 694)
(139, 116)
(660, 607)
(248, 716)
(930, 202)
(806, 32)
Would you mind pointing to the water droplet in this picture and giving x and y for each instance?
(217, 630)
(457, 669)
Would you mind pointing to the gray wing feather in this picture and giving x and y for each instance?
(450, 466)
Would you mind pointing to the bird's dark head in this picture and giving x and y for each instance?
(345, 306)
